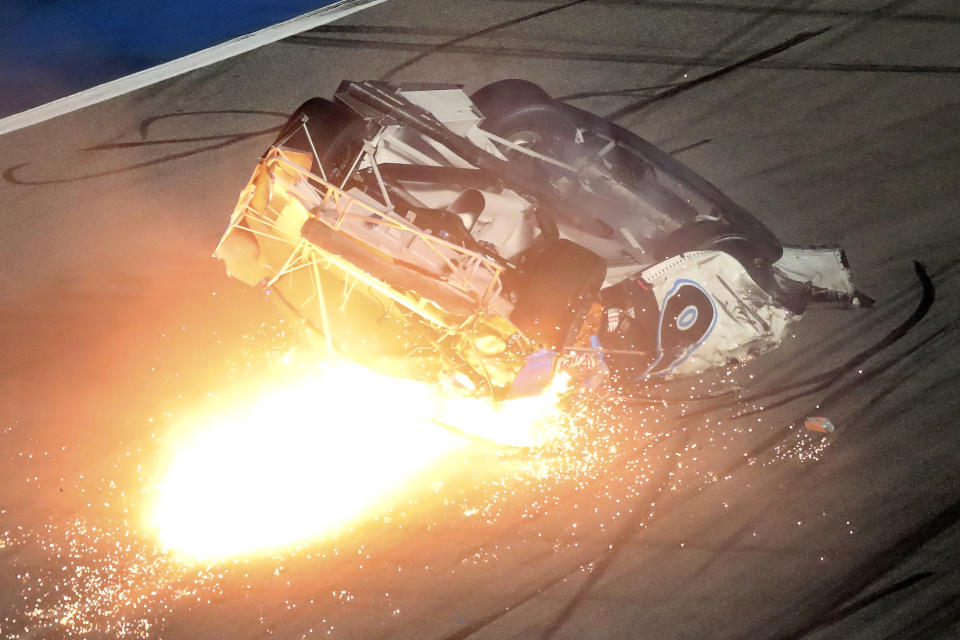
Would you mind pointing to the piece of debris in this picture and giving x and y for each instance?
(821, 425)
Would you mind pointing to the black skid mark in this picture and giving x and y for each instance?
(496, 27)
(713, 75)
(677, 77)
(632, 92)
(935, 623)
(875, 567)
(689, 147)
(865, 602)
(225, 140)
(706, 6)
(824, 380)
(144, 129)
(626, 58)
(605, 559)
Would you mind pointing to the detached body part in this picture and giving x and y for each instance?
(487, 242)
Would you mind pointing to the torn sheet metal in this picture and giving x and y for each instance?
(711, 313)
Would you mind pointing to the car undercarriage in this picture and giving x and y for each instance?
(487, 242)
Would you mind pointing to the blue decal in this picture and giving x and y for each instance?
(685, 320)
(687, 317)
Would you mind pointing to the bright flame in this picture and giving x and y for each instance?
(313, 456)
(520, 422)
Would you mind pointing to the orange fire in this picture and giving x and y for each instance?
(315, 455)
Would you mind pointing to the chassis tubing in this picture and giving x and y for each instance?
(388, 271)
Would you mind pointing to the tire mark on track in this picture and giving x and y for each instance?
(677, 89)
(426, 32)
(627, 58)
(828, 609)
(605, 558)
(722, 7)
(865, 324)
(865, 602)
(11, 174)
(931, 624)
(677, 78)
(601, 562)
(450, 43)
(691, 146)
(843, 32)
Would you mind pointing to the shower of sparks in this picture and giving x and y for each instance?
(311, 456)
(103, 581)
(301, 461)
(314, 465)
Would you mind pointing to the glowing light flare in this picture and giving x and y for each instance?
(313, 456)
(519, 422)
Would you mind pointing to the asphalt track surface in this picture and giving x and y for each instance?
(114, 315)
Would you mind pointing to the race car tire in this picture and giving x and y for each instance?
(706, 235)
(336, 131)
(500, 96)
(555, 288)
(509, 90)
(522, 112)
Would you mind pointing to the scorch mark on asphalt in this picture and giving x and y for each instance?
(11, 174)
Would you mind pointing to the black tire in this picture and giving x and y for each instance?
(707, 235)
(500, 97)
(336, 131)
(522, 112)
(555, 289)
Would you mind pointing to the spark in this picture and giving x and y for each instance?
(100, 580)
(298, 463)
(310, 457)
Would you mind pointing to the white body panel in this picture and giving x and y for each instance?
(745, 322)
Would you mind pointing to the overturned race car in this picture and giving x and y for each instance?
(487, 242)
